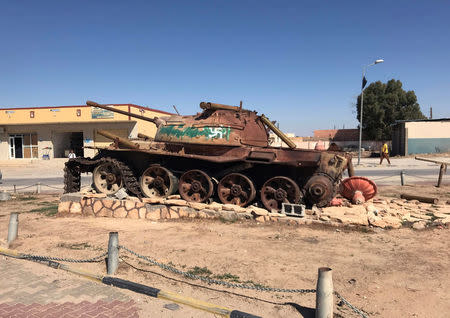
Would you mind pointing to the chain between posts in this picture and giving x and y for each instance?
(234, 285)
(95, 259)
(215, 281)
(345, 301)
(52, 187)
(34, 185)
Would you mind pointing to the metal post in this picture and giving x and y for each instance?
(13, 226)
(38, 188)
(113, 252)
(402, 177)
(441, 172)
(362, 106)
(324, 293)
(361, 118)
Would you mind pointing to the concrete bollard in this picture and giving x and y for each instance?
(38, 188)
(324, 293)
(402, 177)
(113, 253)
(13, 226)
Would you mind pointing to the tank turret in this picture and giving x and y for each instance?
(218, 124)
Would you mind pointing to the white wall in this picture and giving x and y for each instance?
(428, 129)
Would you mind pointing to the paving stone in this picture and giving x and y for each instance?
(26, 294)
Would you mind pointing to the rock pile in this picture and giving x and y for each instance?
(380, 212)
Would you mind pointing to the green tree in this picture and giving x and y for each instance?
(383, 105)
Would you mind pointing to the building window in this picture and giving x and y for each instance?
(23, 145)
(32, 114)
(78, 112)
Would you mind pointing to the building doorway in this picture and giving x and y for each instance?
(76, 143)
(65, 141)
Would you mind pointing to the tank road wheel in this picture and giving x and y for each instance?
(235, 188)
(195, 186)
(158, 181)
(278, 190)
(320, 190)
(107, 178)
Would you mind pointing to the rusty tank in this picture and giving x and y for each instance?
(221, 153)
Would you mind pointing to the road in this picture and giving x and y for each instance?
(54, 184)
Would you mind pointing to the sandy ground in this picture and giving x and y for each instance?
(387, 273)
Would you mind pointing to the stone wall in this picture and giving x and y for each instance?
(156, 209)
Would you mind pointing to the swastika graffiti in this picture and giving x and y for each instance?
(179, 131)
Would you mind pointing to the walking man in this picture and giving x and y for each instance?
(384, 153)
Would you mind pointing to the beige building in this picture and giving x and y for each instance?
(51, 132)
(421, 136)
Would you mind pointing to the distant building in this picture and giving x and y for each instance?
(421, 136)
(337, 134)
(276, 141)
(50, 132)
(347, 139)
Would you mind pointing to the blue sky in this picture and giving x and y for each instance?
(298, 62)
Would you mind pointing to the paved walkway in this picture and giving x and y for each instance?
(34, 290)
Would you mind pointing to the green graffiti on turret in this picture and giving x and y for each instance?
(179, 131)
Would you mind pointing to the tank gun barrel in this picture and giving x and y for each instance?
(215, 106)
(118, 140)
(157, 121)
(277, 132)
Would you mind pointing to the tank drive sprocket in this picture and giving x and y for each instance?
(320, 190)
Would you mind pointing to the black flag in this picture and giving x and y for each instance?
(364, 82)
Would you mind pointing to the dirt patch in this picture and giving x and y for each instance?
(443, 192)
(388, 273)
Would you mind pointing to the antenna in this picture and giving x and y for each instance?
(174, 107)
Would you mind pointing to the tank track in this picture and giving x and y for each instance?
(72, 176)
(74, 168)
(129, 179)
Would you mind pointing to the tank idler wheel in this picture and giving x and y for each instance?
(320, 190)
(158, 181)
(195, 186)
(107, 178)
(278, 190)
(235, 188)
